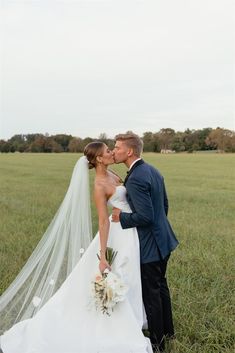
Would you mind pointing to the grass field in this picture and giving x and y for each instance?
(201, 193)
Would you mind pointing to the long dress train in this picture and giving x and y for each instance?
(68, 322)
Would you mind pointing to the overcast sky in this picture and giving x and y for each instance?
(85, 67)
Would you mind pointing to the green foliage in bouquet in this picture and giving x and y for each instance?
(110, 255)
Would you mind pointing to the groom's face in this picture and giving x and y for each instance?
(121, 152)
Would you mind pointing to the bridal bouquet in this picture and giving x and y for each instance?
(108, 288)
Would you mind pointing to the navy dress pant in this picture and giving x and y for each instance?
(157, 301)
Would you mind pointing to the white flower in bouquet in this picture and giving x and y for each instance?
(118, 287)
(108, 288)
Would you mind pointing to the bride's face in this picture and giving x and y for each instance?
(107, 156)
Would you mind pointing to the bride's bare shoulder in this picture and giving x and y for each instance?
(99, 187)
(100, 198)
(105, 187)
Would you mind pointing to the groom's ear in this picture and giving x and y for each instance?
(130, 152)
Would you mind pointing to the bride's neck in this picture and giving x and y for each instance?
(101, 170)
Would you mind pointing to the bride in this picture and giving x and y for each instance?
(49, 306)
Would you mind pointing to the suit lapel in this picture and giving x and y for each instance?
(131, 171)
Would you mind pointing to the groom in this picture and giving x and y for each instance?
(147, 198)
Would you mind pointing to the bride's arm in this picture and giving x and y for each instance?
(103, 216)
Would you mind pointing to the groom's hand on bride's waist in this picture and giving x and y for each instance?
(116, 215)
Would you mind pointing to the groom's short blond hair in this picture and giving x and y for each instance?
(132, 141)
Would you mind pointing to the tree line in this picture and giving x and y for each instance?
(165, 140)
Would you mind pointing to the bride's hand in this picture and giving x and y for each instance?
(103, 265)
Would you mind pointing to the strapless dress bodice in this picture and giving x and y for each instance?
(118, 199)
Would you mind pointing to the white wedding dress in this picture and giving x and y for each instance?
(68, 323)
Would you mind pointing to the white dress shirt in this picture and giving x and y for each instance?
(138, 159)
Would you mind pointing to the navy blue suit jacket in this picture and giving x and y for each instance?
(146, 195)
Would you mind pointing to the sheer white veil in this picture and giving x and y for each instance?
(58, 251)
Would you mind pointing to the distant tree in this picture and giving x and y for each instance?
(221, 139)
(29, 138)
(148, 141)
(63, 140)
(178, 142)
(130, 132)
(23, 148)
(232, 143)
(76, 145)
(156, 142)
(202, 136)
(2, 143)
(45, 144)
(37, 145)
(103, 137)
(50, 145)
(111, 143)
(85, 142)
(191, 140)
(5, 146)
(18, 143)
(166, 137)
(151, 142)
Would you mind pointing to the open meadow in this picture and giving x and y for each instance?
(201, 192)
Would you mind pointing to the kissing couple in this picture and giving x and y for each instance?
(47, 308)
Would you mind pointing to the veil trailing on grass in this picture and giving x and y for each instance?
(59, 250)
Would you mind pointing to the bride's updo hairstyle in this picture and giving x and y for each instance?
(92, 151)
